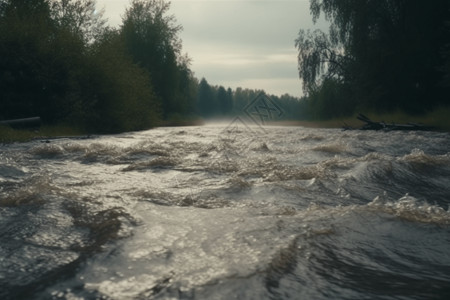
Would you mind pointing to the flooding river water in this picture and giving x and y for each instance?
(222, 212)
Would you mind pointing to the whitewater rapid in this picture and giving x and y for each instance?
(221, 212)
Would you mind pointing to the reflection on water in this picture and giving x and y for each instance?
(212, 213)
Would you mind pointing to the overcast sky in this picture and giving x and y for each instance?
(238, 43)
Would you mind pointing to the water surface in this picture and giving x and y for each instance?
(214, 212)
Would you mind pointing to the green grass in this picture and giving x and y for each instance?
(439, 119)
(10, 135)
(179, 120)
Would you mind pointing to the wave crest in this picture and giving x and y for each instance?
(411, 209)
(418, 157)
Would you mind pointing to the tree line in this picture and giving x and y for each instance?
(60, 61)
(378, 55)
(218, 102)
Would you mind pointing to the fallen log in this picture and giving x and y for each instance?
(23, 123)
(371, 125)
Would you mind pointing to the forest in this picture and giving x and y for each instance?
(59, 60)
(378, 55)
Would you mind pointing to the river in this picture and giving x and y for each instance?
(227, 212)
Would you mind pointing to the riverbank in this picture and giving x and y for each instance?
(437, 119)
(11, 135)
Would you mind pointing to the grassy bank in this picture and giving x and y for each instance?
(179, 120)
(9, 135)
(438, 119)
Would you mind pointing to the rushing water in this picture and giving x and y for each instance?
(215, 212)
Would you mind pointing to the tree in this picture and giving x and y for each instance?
(53, 66)
(32, 78)
(185, 89)
(319, 55)
(205, 99)
(222, 100)
(151, 38)
(80, 17)
(386, 52)
(116, 95)
(229, 101)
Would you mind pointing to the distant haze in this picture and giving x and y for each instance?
(237, 43)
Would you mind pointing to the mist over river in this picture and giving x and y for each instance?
(223, 212)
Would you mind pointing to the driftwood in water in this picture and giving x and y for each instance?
(23, 123)
(371, 125)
